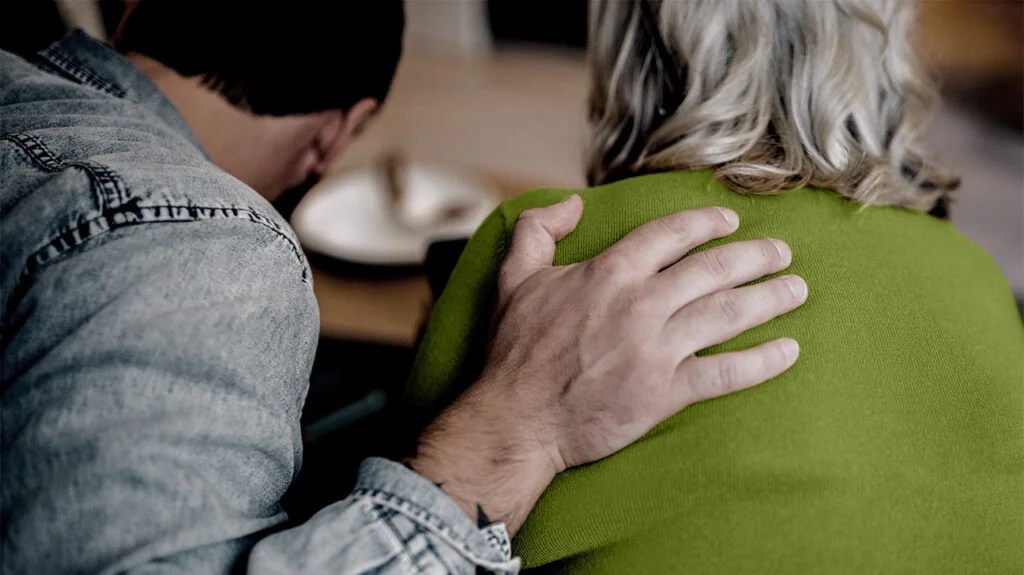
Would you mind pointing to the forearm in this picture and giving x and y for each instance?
(494, 468)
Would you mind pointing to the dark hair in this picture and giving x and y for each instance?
(275, 57)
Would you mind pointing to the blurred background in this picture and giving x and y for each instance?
(492, 94)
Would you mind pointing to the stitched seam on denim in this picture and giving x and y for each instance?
(404, 543)
(435, 553)
(130, 213)
(112, 191)
(79, 72)
(421, 558)
(46, 160)
(497, 536)
(126, 215)
(428, 520)
(109, 187)
(37, 152)
(382, 515)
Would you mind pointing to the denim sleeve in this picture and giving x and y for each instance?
(152, 390)
(395, 522)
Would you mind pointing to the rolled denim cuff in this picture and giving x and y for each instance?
(396, 487)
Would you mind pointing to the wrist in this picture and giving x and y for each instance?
(481, 454)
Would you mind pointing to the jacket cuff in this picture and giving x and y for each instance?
(394, 486)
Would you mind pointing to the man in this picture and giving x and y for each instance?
(159, 324)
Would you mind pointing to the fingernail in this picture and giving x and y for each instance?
(730, 216)
(783, 249)
(790, 349)
(797, 286)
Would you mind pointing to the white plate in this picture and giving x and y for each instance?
(350, 217)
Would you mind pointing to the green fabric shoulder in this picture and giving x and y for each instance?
(895, 444)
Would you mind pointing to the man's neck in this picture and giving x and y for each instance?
(211, 117)
(232, 138)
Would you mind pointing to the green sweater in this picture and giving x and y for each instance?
(894, 445)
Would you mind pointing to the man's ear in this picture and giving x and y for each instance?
(338, 129)
(358, 115)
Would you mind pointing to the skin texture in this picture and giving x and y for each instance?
(587, 357)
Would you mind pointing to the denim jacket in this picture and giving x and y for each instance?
(158, 329)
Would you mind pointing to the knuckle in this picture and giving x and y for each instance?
(675, 224)
(505, 277)
(609, 265)
(528, 214)
(692, 225)
(636, 302)
(529, 218)
(700, 225)
(726, 376)
(728, 307)
(713, 380)
(715, 263)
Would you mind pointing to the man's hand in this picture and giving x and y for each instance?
(588, 357)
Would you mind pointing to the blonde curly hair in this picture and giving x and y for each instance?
(771, 94)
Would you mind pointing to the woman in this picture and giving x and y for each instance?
(896, 442)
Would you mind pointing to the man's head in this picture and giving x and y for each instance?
(273, 90)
